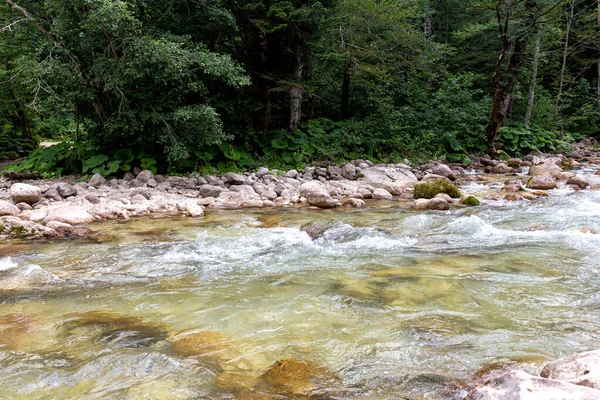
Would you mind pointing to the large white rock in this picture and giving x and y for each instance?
(580, 369)
(24, 193)
(383, 174)
(322, 200)
(547, 168)
(311, 187)
(69, 214)
(519, 385)
(7, 208)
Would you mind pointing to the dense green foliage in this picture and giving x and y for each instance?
(200, 85)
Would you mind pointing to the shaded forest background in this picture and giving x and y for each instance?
(205, 85)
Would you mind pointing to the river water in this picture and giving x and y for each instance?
(387, 303)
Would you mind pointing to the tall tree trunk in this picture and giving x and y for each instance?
(346, 91)
(296, 90)
(428, 25)
(22, 121)
(504, 83)
(563, 66)
(531, 97)
(264, 81)
(598, 86)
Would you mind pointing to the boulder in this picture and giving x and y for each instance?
(60, 227)
(193, 209)
(443, 170)
(292, 173)
(519, 385)
(429, 190)
(578, 181)
(211, 190)
(13, 226)
(24, 193)
(7, 208)
(383, 174)
(144, 176)
(354, 203)
(546, 168)
(97, 180)
(128, 176)
(69, 214)
(66, 190)
(470, 201)
(500, 168)
(541, 182)
(321, 200)
(52, 194)
(382, 194)
(349, 171)
(234, 179)
(311, 187)
(580, 369)
(262, 171)
(514, 162)
(430, 204)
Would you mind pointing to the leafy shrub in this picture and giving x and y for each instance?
(521, 139)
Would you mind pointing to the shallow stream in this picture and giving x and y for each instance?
(386, 303)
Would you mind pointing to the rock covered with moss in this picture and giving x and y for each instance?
(470, 201)
(429, 190)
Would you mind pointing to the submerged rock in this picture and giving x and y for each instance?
(318, 228)
(429, 190)
(290, 377)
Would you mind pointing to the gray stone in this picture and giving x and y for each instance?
(262, 171)
(382, 194)
(354, 203)
(152, 183)
(7, 208)
(128, 176)
(545, 168)
(145, 176)
(291, 174)
(576, 180)
(311, 187)
(349, 171)
(443, 170)
(519, 385)
(234, 179)
(501, 168)
(321, 200)
(66, 190)
(24, 193)
(97, 180)
(211, 190)
(14, 226)
(135, 183)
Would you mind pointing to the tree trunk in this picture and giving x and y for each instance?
(531, 97)
(428, 25)
(296, 90)
(264, 82)
(504, 83)
(564, 58)
(346, 92)
(22, 122)
(598, 85)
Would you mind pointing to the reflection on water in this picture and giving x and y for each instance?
(382, 303)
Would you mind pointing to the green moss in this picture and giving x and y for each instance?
(428, 190)
(2, 228)
(471, 201)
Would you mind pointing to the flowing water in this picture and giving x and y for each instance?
(386, 303)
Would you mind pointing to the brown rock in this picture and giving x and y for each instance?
(291, 377)
(541, 182)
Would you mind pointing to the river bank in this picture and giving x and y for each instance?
(63, 208)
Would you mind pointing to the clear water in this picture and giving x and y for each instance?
(393, 303)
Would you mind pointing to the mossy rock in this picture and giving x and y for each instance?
(429, 190)
(470, 201)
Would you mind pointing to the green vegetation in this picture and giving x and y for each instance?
(217, 86)
(428, 190)
(470, 201)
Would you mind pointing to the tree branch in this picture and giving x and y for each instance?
(9, 26)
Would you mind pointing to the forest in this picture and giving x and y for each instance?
(185, 86)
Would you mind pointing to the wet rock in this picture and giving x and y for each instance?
(97, 180)
(24, 193)
(382, 174)
(321, 200)
(578, 181)
(144, 176)
(234, 380)
(444, 196)
(69, 214)
(519, 385)
(513, 197)
(429, 190)
(290, 377)
(15, 227)
(512, 187)
(354, 203)
(541, 182)
(211, 190)
(500, 168)
(470, 201)
(7, 208)
(211, 346)
(60, 227)
(580, 369)
(430, 204)
(546, 168)
(420, 205)
(382, 194)
(114, 329)
(514, 162)
(66, 190)
(318, 228)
